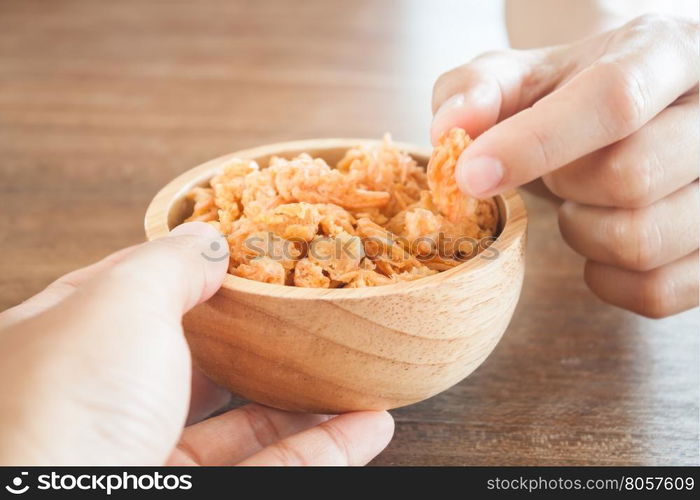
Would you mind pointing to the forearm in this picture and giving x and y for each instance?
(538, 23)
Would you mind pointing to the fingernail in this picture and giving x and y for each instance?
(195, 229)
(441, 118)
(479, 176)
(212, 244)
(456, 101)
(211, 247)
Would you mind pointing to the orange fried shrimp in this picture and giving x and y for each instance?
(373, 214)
(309, 274)
(240, 231)
(313, 181)
(379, 166)
(338, 255)
(259, 193)
(335, 220)
(415, 273)
(248, 241)
(229, 184)
(384, 248)
(419, 227)
(367, 276)
(376, 218)
(384, 167)
(451, 202)
(262, 269)
(486, 216)
(204, 208)
(292, 221)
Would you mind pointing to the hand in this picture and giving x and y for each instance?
(611, 126)
(95, 370)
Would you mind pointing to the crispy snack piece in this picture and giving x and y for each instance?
(249, 240)
(260, 193)
(313, 181)
(419, 227)
(370, 221)
(373, 214)
(338, 256)
(385, 249)
(310, 275)
(460, 238)
(441, 175)
(451, 202)
(385, 168)
(335, 220)
(367, 276)
(415, 273)
(228, 186)
(486, 216)
(239, 251)
(262, 269)
(292, 221)
(204, 207)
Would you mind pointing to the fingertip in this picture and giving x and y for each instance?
(365, 434)
(383, 429)
(195, 229)
(380, 422)
(386, 424)
(474, 110)
(175, 272)
(479, 176)
(212, 249)
(446, 115)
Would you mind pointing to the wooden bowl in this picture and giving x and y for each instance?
(338, 350)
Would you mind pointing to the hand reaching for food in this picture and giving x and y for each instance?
(610, 124)
(95, 370)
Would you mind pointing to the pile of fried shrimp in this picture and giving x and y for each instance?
(377, 218)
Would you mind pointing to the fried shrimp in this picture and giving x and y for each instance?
(309, 274)
(450, 201)
(337, 256)
(313, 181)
(383, 167)
(204, 209)
(262, 269)
(292, 221)
(375, 219)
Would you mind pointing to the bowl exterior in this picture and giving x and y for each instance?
(332, 351)
(378, 352)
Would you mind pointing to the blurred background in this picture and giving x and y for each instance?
(102, 103)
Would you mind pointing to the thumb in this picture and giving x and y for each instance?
(108, 365)
(169, 275)
(213, 251)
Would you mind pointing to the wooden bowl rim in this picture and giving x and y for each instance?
(157, 214)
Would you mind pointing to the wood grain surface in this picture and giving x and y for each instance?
(102, 103)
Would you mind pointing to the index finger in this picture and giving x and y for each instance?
(602, 104)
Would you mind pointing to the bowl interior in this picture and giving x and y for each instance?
(181, 207)
(170, 207)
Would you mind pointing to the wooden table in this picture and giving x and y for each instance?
(101, 103)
